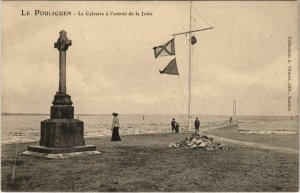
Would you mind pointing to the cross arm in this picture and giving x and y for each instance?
(193, 31)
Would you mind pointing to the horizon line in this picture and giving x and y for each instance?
(104, 114)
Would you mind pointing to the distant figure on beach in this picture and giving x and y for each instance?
(177, 127)
(197, 125)
(230, 120)
(173, 124)
(115, 128)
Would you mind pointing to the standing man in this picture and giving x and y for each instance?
(177, 127)
(197, 125)
(173, 124)
(115, 128)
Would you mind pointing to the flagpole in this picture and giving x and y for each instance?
(163, 47)
(190, 59)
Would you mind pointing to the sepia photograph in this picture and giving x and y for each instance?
(149, 96)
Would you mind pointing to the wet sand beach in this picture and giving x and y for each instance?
(146, 163)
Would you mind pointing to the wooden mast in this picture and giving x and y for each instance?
(190, 63)
(190, 59)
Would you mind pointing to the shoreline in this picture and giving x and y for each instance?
(214, 131)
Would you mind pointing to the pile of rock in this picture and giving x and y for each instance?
(198, 142)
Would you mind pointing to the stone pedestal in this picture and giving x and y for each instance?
(62, 136)
(62, 133)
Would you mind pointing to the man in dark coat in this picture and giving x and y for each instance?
(176, 128)
(197, 125)
(173, 124)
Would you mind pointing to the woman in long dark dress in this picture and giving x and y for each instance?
(115, 128)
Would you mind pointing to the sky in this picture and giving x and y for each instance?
(111, 65)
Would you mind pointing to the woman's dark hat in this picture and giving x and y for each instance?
(114, 113)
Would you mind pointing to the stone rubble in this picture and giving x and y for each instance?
(198, 142)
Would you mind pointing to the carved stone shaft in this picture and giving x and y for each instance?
(62, 45)
(62, 72)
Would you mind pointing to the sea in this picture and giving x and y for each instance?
(26, 128)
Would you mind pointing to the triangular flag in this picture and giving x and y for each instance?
(171, 68)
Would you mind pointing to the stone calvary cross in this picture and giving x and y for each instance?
(61, 134)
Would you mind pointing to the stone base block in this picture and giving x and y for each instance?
(62, 99)
(59, 155)
(43, 149)
(62, 112)
(62, 133)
